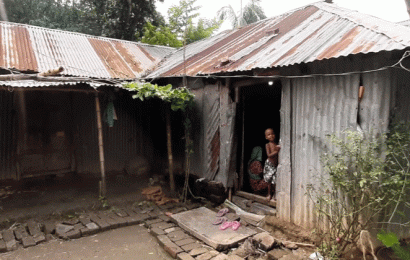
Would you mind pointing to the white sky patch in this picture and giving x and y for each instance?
(392, 10)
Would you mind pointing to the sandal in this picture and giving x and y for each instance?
(219, 221)
(225, 225)
(222, 212)
(235, 225)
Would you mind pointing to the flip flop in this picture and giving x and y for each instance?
(222, 212)
(235, 225)
(219, 221)
(225, 225)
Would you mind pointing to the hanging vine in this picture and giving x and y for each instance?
(180, 99)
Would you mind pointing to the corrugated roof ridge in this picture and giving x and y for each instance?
(86, 35)
(333, 9)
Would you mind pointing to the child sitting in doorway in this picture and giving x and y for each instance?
(271, 164)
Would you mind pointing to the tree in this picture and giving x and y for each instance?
(121, 19)
(181, 26)
(161, 35)
(251, 13)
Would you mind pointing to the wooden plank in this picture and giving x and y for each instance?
(256, 198)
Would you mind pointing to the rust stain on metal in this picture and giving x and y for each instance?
(211, 50)
(146, 54)
(208, 61)
(134, 64)
(112, 61)
(363, 48)
(294, 49)
(286, 25)
(22, 55)
(344, 42)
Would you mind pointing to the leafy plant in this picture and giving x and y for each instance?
(104, 202)
(390, 240)
(364, 181)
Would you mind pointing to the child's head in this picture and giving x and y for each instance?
(270, 135)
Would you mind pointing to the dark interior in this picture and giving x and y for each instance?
(260, 110)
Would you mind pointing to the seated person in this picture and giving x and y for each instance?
(255, 170)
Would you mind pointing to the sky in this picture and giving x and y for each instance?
(391, 10)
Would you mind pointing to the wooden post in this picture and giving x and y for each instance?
(169, 144)
(103, 187)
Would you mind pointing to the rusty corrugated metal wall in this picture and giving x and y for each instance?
(8, 135)
(313, 107)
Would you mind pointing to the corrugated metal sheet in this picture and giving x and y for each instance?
(30, 48)
(311, 109)
(314, 32)
(212, 130)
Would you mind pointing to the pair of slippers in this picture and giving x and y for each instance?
(224, 221)
(230, 224)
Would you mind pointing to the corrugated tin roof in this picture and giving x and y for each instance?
(314, 32)
(31, 48)
(405, 23)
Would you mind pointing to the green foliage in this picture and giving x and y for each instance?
(363, 180)
(391, 240)
(112, 18)
(161, 35)
(252, 12)
(181, 26)
(180, 98)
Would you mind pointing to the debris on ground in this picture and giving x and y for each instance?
(156, 195)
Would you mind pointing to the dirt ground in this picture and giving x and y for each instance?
(61, 197)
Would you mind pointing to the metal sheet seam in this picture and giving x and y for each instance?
(122, 58)
(323, 7)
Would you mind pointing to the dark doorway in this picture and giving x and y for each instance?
(260, 110)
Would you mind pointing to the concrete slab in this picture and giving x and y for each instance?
(198, 222)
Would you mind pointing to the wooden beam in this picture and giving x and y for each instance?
(256, 198)
(103, 186)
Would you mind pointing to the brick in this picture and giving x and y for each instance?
(155, 213)
(162, 225)
(221, 256)
(205, 256)
(163, 240)
(144, 210)
(111, 222)
(3, 247)
(121, 213)
(198, 251)
(265, 240)
(20, 232)
(235, 257)
(90, 229)
(28, 241)
(49, 228)
(121, 221)
(169, 230)
(148, 223)
(33, 228)
(184, 256)
(178, 235)
(61, 229)
(71, 221)
(73, 234)
(11, 245)
(84, 220)
(100, 222)
(157, 231)
(185, 242)
(39, 238)
(164, 218)
(177, 210)
(8, 235)
(191, 246)
(173, 250)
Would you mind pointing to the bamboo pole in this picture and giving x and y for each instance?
(103, 188)
(169, 145)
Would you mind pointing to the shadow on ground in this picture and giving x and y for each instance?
(59, 197)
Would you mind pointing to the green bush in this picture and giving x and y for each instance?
(367, 177)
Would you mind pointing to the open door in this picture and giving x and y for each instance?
(259, 110)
